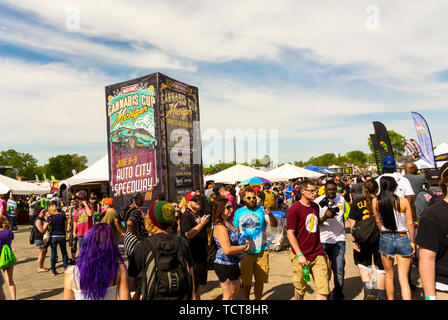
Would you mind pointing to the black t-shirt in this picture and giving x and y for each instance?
(433, 235)
(137, 259)
(198, 244)
(358, 209)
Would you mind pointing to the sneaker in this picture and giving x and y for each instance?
(55, 273)
(369, 294)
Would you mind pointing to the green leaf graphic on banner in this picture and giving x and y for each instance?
(384, 145)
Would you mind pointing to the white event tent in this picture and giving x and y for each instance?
(18, 187)
(97, 172)
(441, 149)
(289, 171)
(237, 173)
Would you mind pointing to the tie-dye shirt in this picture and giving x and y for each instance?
(252, 223)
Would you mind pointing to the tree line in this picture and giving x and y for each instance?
(26, 165)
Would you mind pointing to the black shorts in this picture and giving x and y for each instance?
(224, 272)
(200, 270)
(368, 252)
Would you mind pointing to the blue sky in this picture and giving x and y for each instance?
(319, 74)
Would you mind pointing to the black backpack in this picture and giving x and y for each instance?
(435, 196)
(166, 276)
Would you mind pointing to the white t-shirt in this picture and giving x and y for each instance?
(404, 187)
(332, 230)
(237, 192)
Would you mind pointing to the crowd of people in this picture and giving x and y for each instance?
(166, 251)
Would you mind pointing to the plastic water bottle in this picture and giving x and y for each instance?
(306, 273)
(372, 283)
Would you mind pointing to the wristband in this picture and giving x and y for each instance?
(322, 219)
(430, 298)
(413, 245)
(299, 255)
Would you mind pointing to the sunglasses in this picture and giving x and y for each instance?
(251, 198)
(228, 207)
(195, 200)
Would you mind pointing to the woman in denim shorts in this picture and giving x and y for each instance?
(40, 227)
(394, 218)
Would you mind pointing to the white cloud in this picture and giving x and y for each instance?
(64, 105)
(409, 43)
(51, 103)
(54, 42)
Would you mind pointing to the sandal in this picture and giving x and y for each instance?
(42, 270)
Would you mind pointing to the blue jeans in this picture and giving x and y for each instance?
(336, 253)
(80, 239)
(54, 246)
(12, 222)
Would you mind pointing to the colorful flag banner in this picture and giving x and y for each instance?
(383, 141)
(376, 151)
(424, 138)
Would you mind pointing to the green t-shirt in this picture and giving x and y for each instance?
(44, 203)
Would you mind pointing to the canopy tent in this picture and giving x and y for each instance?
(441, 149)
(17, 187)
(237, 173)
(319, 169)
(422, 164)
(44, 187)
(289, 171)
(97, 172)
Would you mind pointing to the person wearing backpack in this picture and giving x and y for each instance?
(161, 266)
(6, 238)
(267, 197)
(426, 198)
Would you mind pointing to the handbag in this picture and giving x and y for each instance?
(7, 257)
(47, 236)
(32, 236)
(366, 231)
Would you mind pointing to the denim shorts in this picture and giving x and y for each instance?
(395, 243)
(39, 244)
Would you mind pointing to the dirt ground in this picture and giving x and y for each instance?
(44, 286)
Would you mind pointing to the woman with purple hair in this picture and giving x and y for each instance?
(100, 272)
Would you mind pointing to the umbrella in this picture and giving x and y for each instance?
(255, 180)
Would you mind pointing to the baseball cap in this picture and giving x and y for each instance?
(191, 195)
(108, 201)
(433, 176)
(444, 170)
(389, 162)
(82, 194)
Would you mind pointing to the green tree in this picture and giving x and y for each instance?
(24, 162)
(61, 166)
(396, 140)
(323, 160)
(357, 158)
